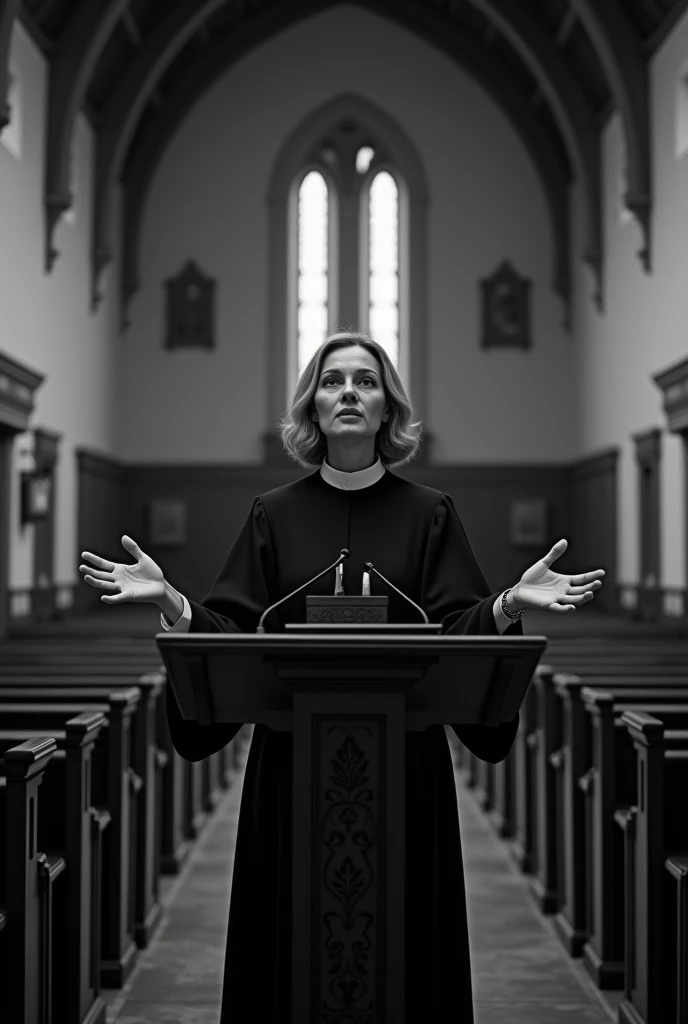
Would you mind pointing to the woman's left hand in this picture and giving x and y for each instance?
(539, 587)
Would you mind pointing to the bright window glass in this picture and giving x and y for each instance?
(312, 266)
(383, 310)
(364, 158)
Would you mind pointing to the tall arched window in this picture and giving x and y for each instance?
(313, 266)
(348, 207)
(383, 263)
(367, 284)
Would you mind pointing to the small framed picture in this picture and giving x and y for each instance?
(167, 522)
(505, 308)
(190, 309)
(528, 522)
(36, 496)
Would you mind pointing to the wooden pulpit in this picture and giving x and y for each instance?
(349, 693)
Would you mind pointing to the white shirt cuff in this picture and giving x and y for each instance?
(183, 623)
(501, 620)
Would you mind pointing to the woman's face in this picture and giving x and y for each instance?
(350, 381)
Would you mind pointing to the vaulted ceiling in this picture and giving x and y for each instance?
(557, 68)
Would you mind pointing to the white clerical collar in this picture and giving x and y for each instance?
(352, 481)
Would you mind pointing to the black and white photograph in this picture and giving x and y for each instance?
(343, 512)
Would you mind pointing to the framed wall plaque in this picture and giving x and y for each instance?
(167, 522)
(36, 496)
(528, 522)
(190, 309)
(505, 308)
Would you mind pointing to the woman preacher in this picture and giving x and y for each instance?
(350, 417)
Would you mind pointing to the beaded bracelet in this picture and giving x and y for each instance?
(514, 616)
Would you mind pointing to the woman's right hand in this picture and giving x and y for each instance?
(141, 582)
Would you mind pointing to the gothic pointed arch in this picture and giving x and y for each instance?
(361, 119)
(162, 121)
(620, 54)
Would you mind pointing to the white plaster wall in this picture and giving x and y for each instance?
(208, 202)
(46, 322)
(643, 328)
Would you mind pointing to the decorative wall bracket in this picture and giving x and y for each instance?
(673, 382)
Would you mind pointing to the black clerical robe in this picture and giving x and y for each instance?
(413, 534)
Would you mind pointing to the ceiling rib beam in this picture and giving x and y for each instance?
(132, 29)
(8, 13)
(122, 111)
(651, 45)
(566, 27)
(148, 150)
(620, 53)
(575, 119)
(71, 68)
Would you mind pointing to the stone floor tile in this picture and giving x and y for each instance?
(169, 1013)
(189, 970)
(549, 1012)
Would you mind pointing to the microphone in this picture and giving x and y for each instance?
(344, 554)
(369, 565)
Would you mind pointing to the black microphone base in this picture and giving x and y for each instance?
(344, 608)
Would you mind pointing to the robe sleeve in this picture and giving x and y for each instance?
(234, 604)
(455, 593)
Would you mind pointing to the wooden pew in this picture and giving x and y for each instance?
(150, 757)
(147, 763)
(212, 772)
(556, 795)
(215, 771)
(521, 783)
(523, 773)
(565, 833)
(677, 959)
(68, 828)
(609, 784)
(195, 776)
(654, 829)
(25, 967)
(115, 786)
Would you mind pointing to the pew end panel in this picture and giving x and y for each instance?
(662, 769)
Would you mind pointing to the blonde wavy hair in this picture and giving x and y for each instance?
(397, 441)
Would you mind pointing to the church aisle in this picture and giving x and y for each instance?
(521, 975)
(178, 979)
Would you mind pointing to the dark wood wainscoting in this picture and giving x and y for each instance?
(218, 498)
(113, 499)
(99, 503)
(594, 493)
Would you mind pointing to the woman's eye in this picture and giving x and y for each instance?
(333, 380)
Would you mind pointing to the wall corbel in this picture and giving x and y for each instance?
(620, 54)
(71, 67)
(575, 118)
(8, 12)
(122, 111)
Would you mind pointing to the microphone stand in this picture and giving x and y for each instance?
(369, 565)
(344, 554)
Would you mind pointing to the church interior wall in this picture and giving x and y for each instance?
(570, 396)
(642, 328)
(486, 204)
(48, 324)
